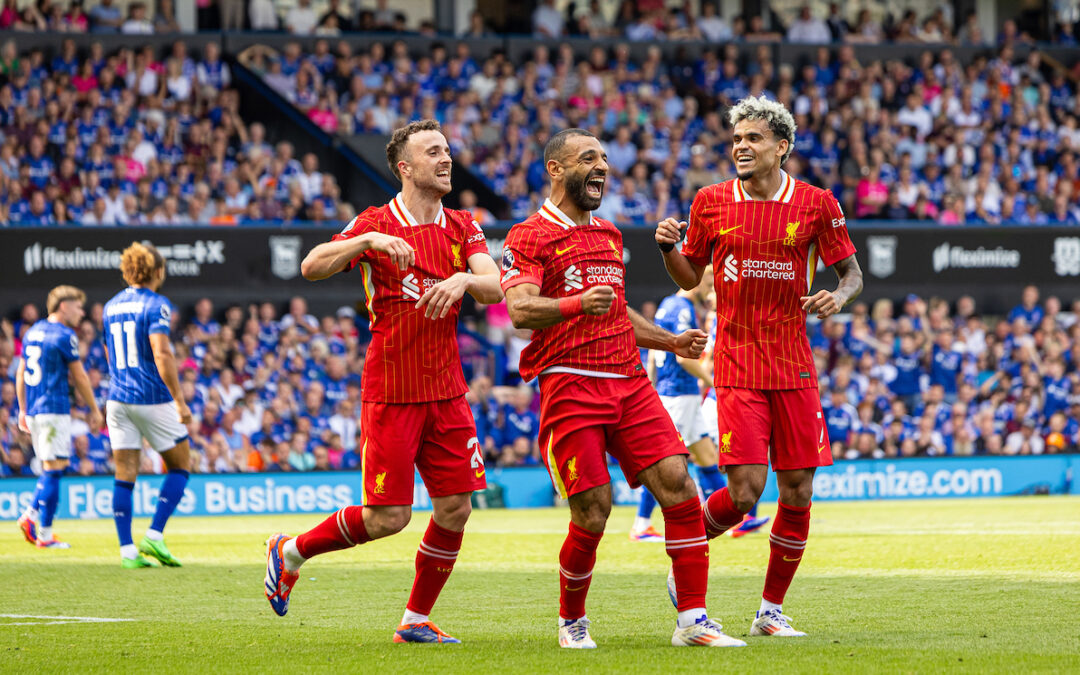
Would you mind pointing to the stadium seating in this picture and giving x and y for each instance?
(944, 128)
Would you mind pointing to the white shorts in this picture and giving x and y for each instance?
(51, 436)
(685, 412)
(129, 424)
(712, 420)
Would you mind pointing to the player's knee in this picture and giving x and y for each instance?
(593, 517)
(395, 520)
(798, 495)
(454, 515)
(744, 497)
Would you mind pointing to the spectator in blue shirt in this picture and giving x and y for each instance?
(840, 422)
(946, 359)
(1029, 308)
(909, 371)
(521, 421)
(105, 18)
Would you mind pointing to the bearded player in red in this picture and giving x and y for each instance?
(763, 234)
(414, 258)
(563, 276)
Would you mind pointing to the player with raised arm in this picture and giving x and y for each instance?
(763, 234)
(415, 259)
(144, 401)
(50, 355)
(563, 276)
(678, 382)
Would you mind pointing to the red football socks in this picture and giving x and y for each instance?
(576, 561)
(689, 552)
(720, 514)
(786, 543)
(344, 529)
(434, 562)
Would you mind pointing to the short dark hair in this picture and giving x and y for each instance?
(396, 147)
(555, 144)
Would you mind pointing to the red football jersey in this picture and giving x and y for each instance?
(564, 259)
(411, 358)
(764, 254)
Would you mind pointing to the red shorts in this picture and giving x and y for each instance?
(437, 438)
(781, 426)
(582, 417)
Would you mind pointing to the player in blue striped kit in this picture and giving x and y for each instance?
(144, 401)
(50, 354)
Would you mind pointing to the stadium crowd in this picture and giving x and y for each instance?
(990, 140)
(135, 137)
(282, 393)
(129, 138)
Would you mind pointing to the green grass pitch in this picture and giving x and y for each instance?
(988, 585)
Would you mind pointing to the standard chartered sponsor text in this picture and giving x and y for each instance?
(768, 269)
(853, 483)
(604, 274)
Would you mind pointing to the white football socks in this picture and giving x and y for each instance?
(129, 551)
(413, 617)
(691, 616)
(292, 559)
(766, 606)
(44, 534)
(641, 524)
(154, 535)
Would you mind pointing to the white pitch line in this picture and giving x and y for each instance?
(55, 620)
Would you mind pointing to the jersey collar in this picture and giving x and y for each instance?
(402, 215)
(555, 215)
(783, 195)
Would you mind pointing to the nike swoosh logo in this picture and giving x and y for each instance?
(823, 448)
(559, 251)
(480, 473)
(787, 559)
(730, 229)
(574, 589)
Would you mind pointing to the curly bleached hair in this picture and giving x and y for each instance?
(780, 121)
(139, 263)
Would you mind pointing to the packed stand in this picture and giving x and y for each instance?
(938, 380)
(272, 393)
(130, 139)
(267, 393)
(993, 140)
(655, 20)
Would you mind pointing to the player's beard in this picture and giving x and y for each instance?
(432, 186)
(575, 187)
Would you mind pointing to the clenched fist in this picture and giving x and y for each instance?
(597, 300)
(669, 231)
(690, 344)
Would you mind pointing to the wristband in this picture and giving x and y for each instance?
(668, 248)
(572, 306)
